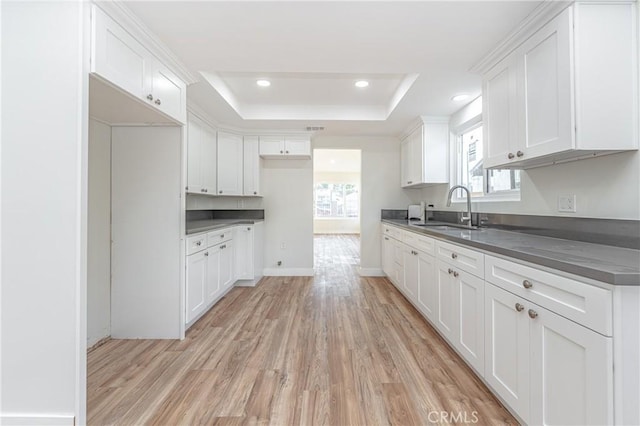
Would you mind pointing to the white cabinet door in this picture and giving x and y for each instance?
(195, 183)
(118, 57)
(507, 348)
(243, 241)
(387, 256)
(545, 86)
(446, 321)
(196, 284)
(297, 146)
(499, 108)
(227, 271)
(271, 146)
(229, 164)
(470, 310)
(410, 263)
(209, 160)
(405, 162)
(251, 169)
(213, 287)
(427, 286)
(571, 372)
(169, 93)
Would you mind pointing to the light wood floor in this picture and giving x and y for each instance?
(334, 349)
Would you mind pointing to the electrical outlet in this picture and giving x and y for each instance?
(279, 262)
(283, 246)
(567, 203)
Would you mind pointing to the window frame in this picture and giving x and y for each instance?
(456, 169)
(344, 216)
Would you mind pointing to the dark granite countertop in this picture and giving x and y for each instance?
(196, 226)
(609, 264)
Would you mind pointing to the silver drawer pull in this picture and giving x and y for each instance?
(520, 153)
(527, 284)
(158, 102)
(454, 256)
(450, 271)
(510, 156)
(455, 274)
(198, 243)
(150, 97)
(222, 236)
(532, 314)
(519, 307)
(223, 246)
(206, 254)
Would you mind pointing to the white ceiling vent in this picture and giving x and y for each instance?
(314, 128)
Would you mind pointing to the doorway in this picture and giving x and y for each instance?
(336, 206)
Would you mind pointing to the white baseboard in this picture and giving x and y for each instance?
(26, 419)
(288, 272)
(371, 272)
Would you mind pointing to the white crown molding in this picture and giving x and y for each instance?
(133, 25)
(533, 22)
(419, 121)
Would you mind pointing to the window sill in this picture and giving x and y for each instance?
(336, 218)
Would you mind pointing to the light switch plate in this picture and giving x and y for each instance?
(567, 203)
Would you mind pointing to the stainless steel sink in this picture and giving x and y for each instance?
(443, 226)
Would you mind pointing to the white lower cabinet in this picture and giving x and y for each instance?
(196, 284)
(213, 273)
(547, 368)
(427, 286)
(411, 265)
(387, 255)
(446, 301)
(227, 270)
(248, 242)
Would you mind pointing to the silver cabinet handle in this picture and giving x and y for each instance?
(527, 284)
(519, 307)
(286, 152)
(206, 254)
(410, 182)
(248, 228)
(450, 271)
(454, 256)
(455, 274)
(158, 102)
(510, 156)
(220, 191)
(255, 192)
(198, 243)
(520, 153)
(222, 236)
(386, 238)
(150, 96)
(281, 152)
(532, 314)
(223, 246)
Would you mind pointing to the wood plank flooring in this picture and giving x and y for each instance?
(334, 349)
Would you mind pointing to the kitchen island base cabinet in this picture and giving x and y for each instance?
(548, 369)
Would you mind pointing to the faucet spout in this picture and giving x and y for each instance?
(468, 216)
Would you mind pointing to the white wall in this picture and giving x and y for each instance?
(43, 169)
(99, 234)
(334, 225)
(380, 178)
(288, 209)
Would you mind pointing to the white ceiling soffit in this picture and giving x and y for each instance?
(311, 96)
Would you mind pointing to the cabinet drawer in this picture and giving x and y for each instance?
(583, 303)
(419, 242)
(195, 243)
(219, 236)
(465, 259)
(392, 231)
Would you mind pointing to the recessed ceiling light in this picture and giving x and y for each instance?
(263, 83)
(362, 83)
(332, 161)
(460, 97)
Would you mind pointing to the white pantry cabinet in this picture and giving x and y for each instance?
(565, 93)
(120, 59)
(424, 153)
(251, 166)
(201, 157)
(230, 162)
(285, 147)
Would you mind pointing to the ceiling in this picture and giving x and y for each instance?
(415, 54)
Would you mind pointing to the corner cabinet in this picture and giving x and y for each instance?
(120, 59)
(285, 147)
(565, 93)
(424, 153)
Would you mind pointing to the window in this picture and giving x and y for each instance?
(481, 182)
(336, 200)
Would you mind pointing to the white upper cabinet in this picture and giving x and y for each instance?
(285, 147)
(201, 157)
(230, 148)
(565, 93)
(251, 166)
(120, 59)
(424, 154)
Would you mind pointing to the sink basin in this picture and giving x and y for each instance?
(440, 226)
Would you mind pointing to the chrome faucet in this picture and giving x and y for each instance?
(463, 218)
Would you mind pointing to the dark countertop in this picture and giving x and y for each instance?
(196, 226)
(609, 264)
